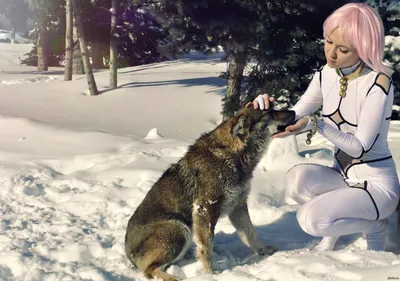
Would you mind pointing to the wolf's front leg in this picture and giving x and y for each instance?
(240, 219)
(205, 217)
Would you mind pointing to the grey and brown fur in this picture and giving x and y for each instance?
(211, 180)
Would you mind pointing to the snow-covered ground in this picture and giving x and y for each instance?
(73, 168)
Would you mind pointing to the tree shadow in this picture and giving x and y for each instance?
(229, 251)
(215, 82)
(35, 72)
(286, 234)
(163, 64)
(141, 68)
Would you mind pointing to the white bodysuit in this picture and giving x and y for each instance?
(361, 190)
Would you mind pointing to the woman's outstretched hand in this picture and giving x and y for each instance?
(294, 129)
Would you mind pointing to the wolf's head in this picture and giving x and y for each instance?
(249, 128)
(250, 123)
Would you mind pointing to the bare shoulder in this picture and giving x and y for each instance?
(383, 81)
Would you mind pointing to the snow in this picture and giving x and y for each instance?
(393, 45)
(74, 167)
(393, 42)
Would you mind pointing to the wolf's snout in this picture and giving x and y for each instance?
(285, 116)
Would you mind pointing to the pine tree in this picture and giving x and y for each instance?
(139, 36)
(392, 55)
(281, 39)
(290, 53)
(204, 25)
(41, 9)
(389, 11)
(55, 37)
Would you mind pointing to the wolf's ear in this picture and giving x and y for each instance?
(238, 130)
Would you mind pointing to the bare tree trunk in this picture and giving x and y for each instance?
(13, 35)
(42, 43)
(235, 76)
(84, 49)
(69, 40)
(113, 46)
(77, 61)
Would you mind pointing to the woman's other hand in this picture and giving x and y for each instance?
(262, 102)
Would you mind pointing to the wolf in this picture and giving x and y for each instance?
(211, 180)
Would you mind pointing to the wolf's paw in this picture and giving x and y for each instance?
(267, 250)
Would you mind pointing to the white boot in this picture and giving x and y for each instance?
(326, 244)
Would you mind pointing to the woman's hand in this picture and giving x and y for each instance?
(295, 128)
(262, 102)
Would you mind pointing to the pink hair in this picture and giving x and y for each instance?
(361, 28)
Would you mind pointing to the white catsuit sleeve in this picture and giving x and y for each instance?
(368, 128)
(311, 99)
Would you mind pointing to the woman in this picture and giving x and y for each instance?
(361, 190)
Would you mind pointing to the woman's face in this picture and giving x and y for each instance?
(337, 54)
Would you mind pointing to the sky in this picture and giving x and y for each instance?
(74, 167)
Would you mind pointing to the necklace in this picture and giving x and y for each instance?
(344, 79)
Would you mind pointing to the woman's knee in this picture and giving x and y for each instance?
(295, 184)
(311, 221)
